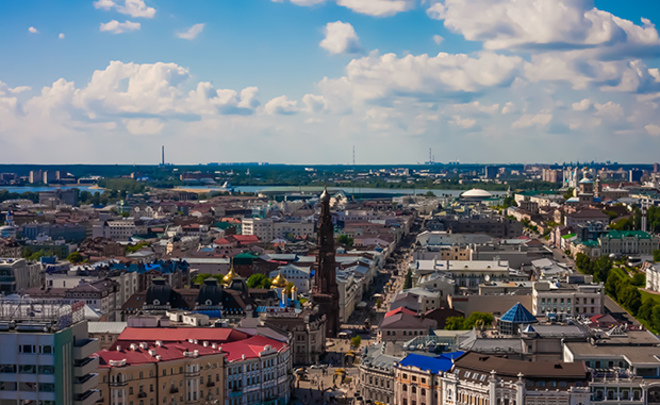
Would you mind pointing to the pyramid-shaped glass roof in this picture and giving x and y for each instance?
(518, 314)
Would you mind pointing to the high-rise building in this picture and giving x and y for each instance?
(490, 172)
(49, 176)
(635, 175)
(46, 355)
(36, 176)
(325, 293)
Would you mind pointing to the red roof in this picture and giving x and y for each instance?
(250, 347)
(400, 310)
(222, 241)
(244, 238)
(168, 351)
(211, 335)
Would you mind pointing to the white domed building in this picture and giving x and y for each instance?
(475, 195)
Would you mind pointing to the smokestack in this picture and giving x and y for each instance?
(163, 152)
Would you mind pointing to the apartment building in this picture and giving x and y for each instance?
(267, 229)
(46, 357)
(628, 243)
(560, 300)
(19, 274)
(189, 372)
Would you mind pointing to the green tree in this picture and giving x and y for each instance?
(509, 202)
(478, 318)
(602, 268)
(199, 280)
(646, 310)
(75, 257)
(407, 282)
(632, 299)
(346, 240)
(654, 319)
(454, 323)
(656, 255)
(569, 193)
(639, 280)
(258, 281)
(356, 341)
(429, 194)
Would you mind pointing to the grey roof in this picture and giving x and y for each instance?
(380, 356)
(114, 328)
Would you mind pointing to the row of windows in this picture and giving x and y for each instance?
(34, 349)
(26, 369)
(26, 386)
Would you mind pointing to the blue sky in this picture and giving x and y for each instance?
(302, 81)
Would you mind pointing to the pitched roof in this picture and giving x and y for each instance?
(213, 335)
(518, 314)
(251, 347)
(406, 321)
(529, 369)
(399, 310)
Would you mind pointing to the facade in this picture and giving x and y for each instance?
(403, 326)
(469, 273)
(269, 229)
(418, 378)
(19, 274)
(307, 329)
(567, 300)
(46, 356)
(162, 373)
(489, 380)
(628, 243)
(121, 230)
(653, 278)
(258, 372)
(325, 293)
(376, 381)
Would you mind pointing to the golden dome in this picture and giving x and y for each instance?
(229, 277)
(279, 281)
(293, 288)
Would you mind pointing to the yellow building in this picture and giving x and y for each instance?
(162, 373)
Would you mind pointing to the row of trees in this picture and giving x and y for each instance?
(599, 268)
(481, 319)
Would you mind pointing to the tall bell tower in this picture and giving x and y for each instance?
(325, 293)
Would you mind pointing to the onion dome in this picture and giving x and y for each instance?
(279, 281)
(229, 277)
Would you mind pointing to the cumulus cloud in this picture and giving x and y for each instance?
(33, 30)
(609, 110)
(532, 120)
(281, 105)
(150, 126)
(376, 8)
(117, 27)
(652, 129)
(438, 39)
(133, 8)
(61, 36)
(340, 37)
(546, 25)
(465, 123)
(192, 32)
(582, 105)
(444, 76)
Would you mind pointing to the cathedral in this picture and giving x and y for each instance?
(325, 293)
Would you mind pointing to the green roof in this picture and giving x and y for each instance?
(590, 243)
(628, 234)
(570, 235)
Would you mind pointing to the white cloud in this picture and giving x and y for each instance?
(508, 108)
(652, 129)
(192, 32)
(444, 76)
(133, 8)
(151, 126)
(465, 123)
(117, 27)
(33, 30)
(546, 25)
(438, 39)
(378, 8)
(281, 105)
(314, 103)
(340, 37)
(609, 110)
(61, 36)
(532, 120)
(477, 107)
(583, 105)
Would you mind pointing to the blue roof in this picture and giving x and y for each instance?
(518, 314)
(434, 364)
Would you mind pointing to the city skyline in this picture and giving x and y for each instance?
(305, 81)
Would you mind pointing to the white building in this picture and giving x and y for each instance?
(469, 273)
(653, 277)
(120, 230)
(628, 243)
(552, 298)
(350, 294)
(46, 355)
(267, 229)
(18, 274)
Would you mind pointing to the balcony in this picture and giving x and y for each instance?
(84, 348)
(142, 394)
(88, 398)
(87, 366)
(118, 383)
(190, 374)
(174, 389)
(83, 384)
(210, 383)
